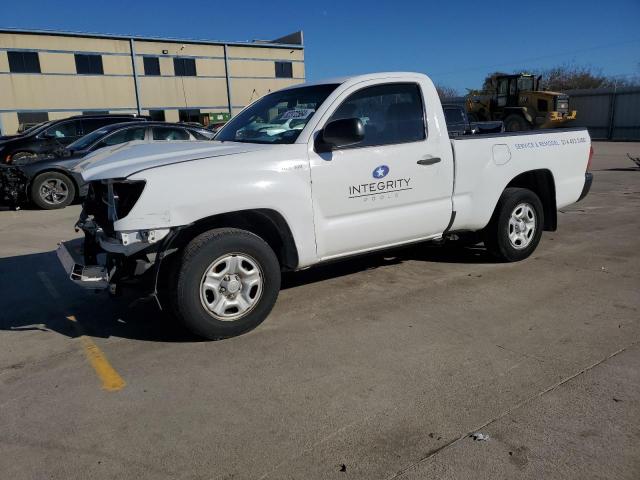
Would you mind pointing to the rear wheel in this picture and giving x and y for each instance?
(516, 123)
(52, 190)
(516, 225)
(228, 281)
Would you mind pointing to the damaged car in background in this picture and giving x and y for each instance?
(49, 180)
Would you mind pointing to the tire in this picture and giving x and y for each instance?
(515, 228)
(218, 297)
(52, 190)
(516, 123)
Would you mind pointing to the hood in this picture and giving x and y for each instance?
(8, 138)
(126, 159)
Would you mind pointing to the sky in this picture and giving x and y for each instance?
(456, 43)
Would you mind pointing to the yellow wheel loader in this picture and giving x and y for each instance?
(521, 105)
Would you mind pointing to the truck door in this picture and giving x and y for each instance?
(394, 186)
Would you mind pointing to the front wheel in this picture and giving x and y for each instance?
(515, 228)
(51, 190)
(228, 281)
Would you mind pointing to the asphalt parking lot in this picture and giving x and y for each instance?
(379, 367)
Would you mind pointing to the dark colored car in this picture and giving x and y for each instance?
(458, 122)
(49, 181)
(50, 136)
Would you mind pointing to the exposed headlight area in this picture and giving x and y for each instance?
(110, 200)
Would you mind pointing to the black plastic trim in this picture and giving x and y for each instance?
(526, 132)
(588, 180)
(451, 220)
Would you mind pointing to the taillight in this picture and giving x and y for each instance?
(590, 158)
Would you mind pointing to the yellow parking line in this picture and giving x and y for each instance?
(111, 381)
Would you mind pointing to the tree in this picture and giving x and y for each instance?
(567, 76)
(571, 77)
(489, 84)
(446, 92)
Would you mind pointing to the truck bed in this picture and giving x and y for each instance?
(485, 164)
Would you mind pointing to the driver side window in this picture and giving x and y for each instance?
(391, 113)
(62, 130)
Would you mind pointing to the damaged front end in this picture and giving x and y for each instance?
(110, 259)
(13, 186)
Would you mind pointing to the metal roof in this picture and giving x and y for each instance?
(296, 36)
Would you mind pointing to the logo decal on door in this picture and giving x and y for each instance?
(381, 171)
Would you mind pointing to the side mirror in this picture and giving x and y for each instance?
(341, 133)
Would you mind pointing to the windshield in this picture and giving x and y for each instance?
(87, 140)
(35, 127)
(525, 84)
(276, 118)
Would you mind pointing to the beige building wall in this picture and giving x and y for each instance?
(56, 42)
(55, 92)
(265, 53)
(4, 62)
(182, 92)
(61, 92)
(57, 63)
(247, 90)
(179, 49)
(9, 122)
(172, 116)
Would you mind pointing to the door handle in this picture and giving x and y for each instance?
(429, 161)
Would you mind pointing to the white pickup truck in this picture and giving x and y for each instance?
(208, 227)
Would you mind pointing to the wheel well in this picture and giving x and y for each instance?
(56, 170)
(542, 184)
(265, 223)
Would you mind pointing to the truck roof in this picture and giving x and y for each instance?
(361, 78)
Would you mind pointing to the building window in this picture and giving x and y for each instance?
(284, 70)
(29, 119)
(184, 67)
(151, 66)
(96, 112)
(189, 115)
(24, 62)
(157, 115)
(89, 64)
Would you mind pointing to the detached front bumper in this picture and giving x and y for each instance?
(71, 256)
(13, 185)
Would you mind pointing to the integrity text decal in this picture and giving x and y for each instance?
(375, 188)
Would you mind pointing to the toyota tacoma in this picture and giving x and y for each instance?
(206, 228)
